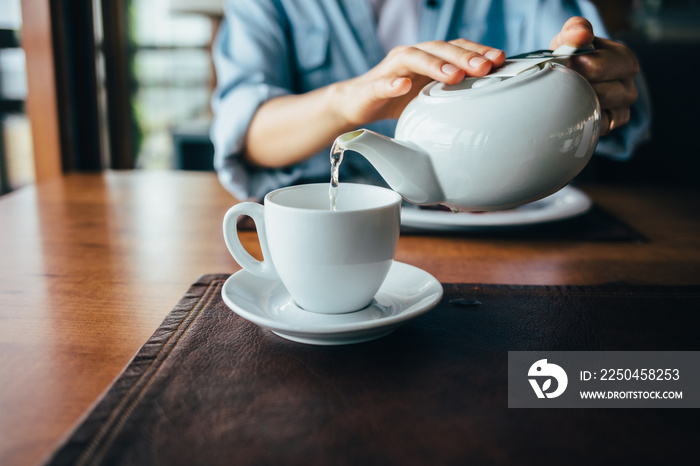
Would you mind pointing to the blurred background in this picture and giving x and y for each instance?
(133, 79)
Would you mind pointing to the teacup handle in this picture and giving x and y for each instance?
(264, 269)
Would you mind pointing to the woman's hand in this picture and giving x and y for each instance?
(385, 90)
(610, 70)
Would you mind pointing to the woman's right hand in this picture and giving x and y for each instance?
(385, 90)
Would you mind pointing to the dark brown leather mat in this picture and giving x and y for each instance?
(595, 225)
(212, 388)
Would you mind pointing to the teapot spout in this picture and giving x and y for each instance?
(405, 167)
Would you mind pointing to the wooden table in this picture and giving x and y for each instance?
(136, 240)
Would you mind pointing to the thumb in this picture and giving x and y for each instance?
(576, 32)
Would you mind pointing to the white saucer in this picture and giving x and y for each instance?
(566, 203)
(406, 293)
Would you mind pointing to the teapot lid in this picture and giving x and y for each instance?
(519, 66)
(513, 71)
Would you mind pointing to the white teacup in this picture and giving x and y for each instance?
(331, 262)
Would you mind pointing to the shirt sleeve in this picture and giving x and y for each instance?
(622, 142)
(252, 60)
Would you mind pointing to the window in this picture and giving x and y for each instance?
(172, 76)
(16, 162)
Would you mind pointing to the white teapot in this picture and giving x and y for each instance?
(512, 137)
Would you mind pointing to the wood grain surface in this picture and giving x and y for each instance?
(90, 264)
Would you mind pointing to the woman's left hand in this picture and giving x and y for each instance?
(610, 70)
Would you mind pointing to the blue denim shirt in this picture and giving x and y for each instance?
(268, 48)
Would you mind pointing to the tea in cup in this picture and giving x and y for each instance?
(330, 261)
